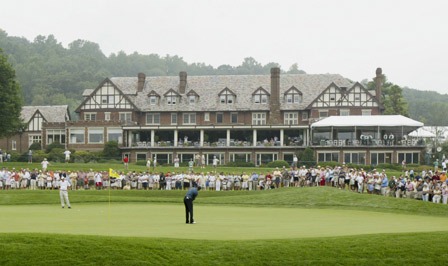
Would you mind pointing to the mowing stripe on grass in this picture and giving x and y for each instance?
(213, 222)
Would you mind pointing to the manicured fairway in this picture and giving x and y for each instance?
(213, 222)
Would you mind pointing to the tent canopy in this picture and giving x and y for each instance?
(367, 121)
(422, 133)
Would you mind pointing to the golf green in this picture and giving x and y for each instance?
(213, 222)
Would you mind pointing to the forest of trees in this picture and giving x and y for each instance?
(51, 74)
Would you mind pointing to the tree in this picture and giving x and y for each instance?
(111, 150)
(10, 99)
(392, 98)
(394, 103)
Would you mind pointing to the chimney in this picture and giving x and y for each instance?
(379, 79)
(274, 102)
(141, 82)
(182, 82)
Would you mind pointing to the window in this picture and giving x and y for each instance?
(191, 99)
(328, 157)
(291, 118)
(355, 157)
(77, 136)
(304, 116)
(90, 116)
(153, 119)
(226, 96)
(153, 100)
(13, 145)
(174, 119)
(366, 112)
(189, 119)
(34, 139)
(410, 157)
(126, 116)
(258, 118)
(260, 96)
(219, 118)
(171, 98)
(96, 135)
(234, 118)
(56, 135)
(107, 116)
(323, 114)
(115, 134)
(36, 123)
(293, 95)
(207, 116)
(344, 112)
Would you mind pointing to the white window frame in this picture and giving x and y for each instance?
(34, 139)
(171, 98)
(74, 132)
(222, 117)
(107, 116)
(234, 115)
(323, 112)
(90, 116)
(344, 112)
(207, 116)
(173, 118)
(115, 131)
(125, 116)
(291, 118)
(366, 112)
(153, 118)
(13, 145)
(258, 118)
(55, 132)
(191, 99)
(95, 131)
(189, 119)
(153, 100)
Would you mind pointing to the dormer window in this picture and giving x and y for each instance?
(293, 95)
(226, 96)
(172, 97)
(260, 96)
(153, 98)
(192, 97)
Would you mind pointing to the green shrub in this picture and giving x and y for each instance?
(87, 157)
(53, 146)
(278, 164)
(141, 163)
(56, 155)
(240, 164)
(111, 150)
(35, 146)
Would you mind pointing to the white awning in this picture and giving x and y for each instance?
(421, 133)
(366, 121)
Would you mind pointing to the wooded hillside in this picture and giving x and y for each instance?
(49, 73)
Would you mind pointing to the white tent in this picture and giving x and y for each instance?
(421, 133)
(366, 121)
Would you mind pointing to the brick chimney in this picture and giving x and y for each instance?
(141, 82)
(379, 79)
(182, 82)
(274, 102)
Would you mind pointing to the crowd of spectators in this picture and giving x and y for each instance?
(427, 185)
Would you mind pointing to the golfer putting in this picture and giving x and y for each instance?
(191, 195)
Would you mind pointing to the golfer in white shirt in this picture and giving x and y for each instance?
(63, 193)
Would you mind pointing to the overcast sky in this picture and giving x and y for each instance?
(407, 39)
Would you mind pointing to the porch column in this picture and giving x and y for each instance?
(176, 137)
(201, 138)
(254, 135)
(130, 133)
(281, 137)
(227, 137)
(152, 137)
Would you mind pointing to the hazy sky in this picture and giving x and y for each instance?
(407, 39)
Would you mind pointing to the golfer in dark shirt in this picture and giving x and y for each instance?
(188, 201)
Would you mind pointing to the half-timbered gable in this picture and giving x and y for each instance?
(106, 97)
(360, 97)
(261, 96)
(226, 96)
